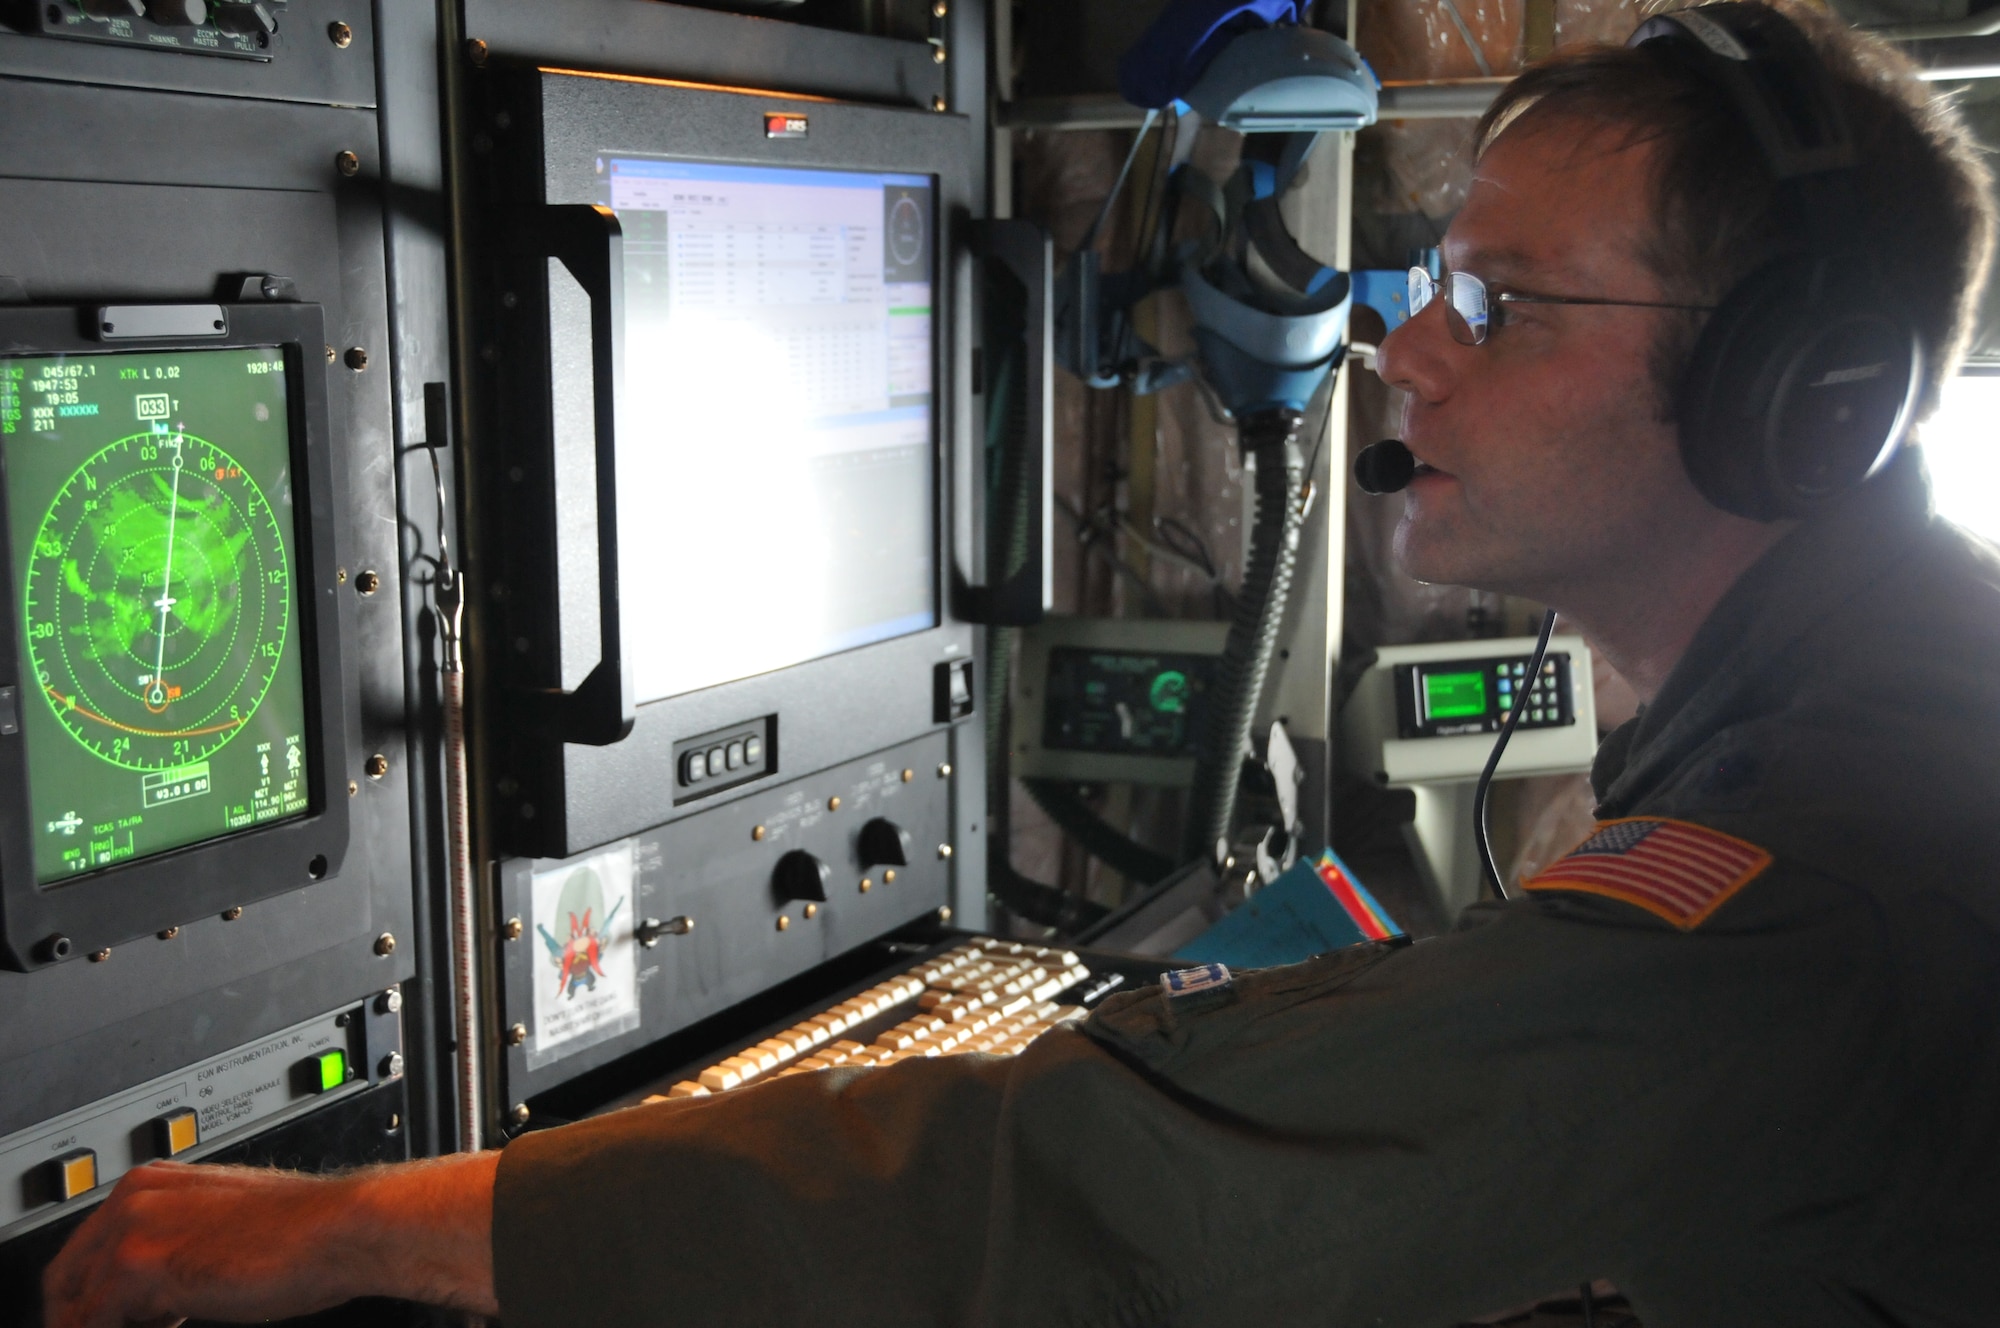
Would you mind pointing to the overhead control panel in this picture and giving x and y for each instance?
(239, 29)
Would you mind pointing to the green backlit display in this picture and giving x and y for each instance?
(149, 503)
(1454, 695)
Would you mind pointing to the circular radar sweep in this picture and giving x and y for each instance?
(158, 598)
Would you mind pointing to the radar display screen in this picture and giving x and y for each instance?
(149, 506)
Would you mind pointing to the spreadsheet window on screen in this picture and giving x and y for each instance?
(776, 463)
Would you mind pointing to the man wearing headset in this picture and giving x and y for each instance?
(1739, 1052)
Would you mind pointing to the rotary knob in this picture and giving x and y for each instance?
(800, 876)
(177, 13)
(237, 16)
(113, 8)
(884, 844)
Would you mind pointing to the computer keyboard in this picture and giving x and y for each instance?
(987, 995)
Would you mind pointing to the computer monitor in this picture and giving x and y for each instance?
(772, 298)
(778, 426)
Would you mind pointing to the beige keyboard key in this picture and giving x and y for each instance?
(719, 1078)
(685, 1088)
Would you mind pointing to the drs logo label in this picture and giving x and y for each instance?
(779, 124)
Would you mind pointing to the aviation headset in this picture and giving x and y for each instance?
(1803, 381)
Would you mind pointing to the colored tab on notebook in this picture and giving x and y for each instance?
(1369, 917)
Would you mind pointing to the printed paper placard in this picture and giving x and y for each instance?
(586, 970)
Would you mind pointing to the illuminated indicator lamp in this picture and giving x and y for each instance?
(176, 1132)
(329, 1071)
(73, 1173)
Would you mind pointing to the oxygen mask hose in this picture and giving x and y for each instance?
(1272, 438)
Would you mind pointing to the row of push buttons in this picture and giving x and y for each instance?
(75, 1172)
(722, 759)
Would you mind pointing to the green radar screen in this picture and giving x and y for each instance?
(149, 500)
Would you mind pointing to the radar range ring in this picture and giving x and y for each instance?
(158, 600)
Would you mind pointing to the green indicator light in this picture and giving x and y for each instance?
(1169, 693)
(1454, 695)
(332, 1067)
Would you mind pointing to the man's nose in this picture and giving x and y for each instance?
(1416, 355)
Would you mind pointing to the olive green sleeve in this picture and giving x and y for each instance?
(1409, 1136)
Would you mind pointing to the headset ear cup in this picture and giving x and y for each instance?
(1727, 387)
(1799, 389)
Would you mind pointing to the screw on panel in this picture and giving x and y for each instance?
(353, 787)
(517, 1034)
(889, 876)
(519, 1113)
(944, 770)
(944, 913)
(169, 933)
(937, 103)
(866, 885)
(393, 1123)
(812, 911)
(357, 358)
(937, 55)
(347, 164)
(329, 354)
(339, 573)
(385, 944)
(757, 833)
(784, 922)
(944, 850)
(833, 804)
(475, 51)
(99, 956)
(231, 914)
(340, 34)
(908, 774)
(377, 766)
(511, 929)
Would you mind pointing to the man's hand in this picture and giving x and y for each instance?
(245, 1243)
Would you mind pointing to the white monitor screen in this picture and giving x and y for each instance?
(776, 469)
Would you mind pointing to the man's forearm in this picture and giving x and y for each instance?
(243, 1243)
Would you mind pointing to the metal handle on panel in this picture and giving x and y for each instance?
(588, 240)
(1017, 600)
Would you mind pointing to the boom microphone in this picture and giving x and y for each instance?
(1384, 467)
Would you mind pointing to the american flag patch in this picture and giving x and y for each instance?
(1675, 869)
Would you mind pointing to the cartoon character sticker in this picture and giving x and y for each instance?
(586, 985)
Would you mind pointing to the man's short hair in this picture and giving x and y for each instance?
(1923, 192)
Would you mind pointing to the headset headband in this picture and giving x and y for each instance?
(1774, 79)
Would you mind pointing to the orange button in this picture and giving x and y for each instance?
(74, 1173)
(176, 1132)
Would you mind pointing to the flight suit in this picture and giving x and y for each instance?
(1781, 1108)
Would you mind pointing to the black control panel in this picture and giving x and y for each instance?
(1447, 698)
(238, 29)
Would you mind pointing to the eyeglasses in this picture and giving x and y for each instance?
(1470, 309)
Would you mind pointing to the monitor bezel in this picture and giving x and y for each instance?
(558, 799)
(110, 905)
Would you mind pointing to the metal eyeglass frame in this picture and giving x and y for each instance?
(1469, 328)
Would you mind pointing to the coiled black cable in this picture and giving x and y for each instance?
(1272, 437)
